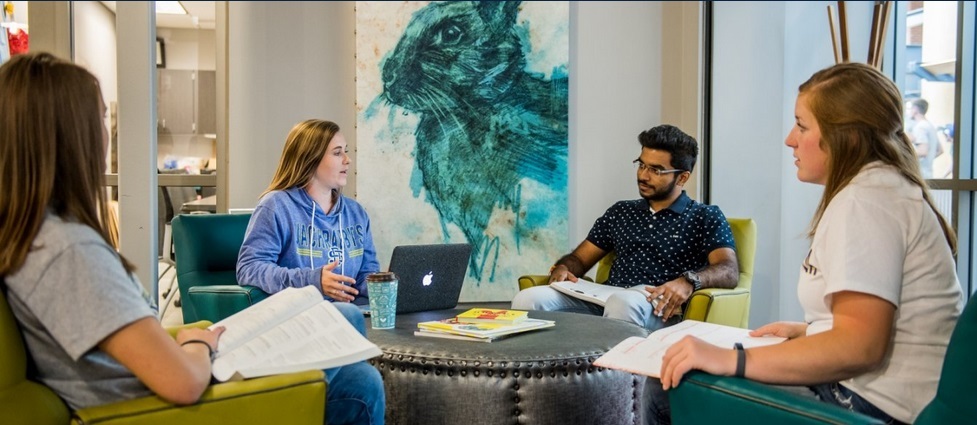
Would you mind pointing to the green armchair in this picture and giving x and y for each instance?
(733, 401)
(722, 306)
(206, 247)
(297, 398)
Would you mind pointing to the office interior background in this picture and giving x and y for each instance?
(214, 91)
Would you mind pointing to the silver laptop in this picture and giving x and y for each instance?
(430, 275)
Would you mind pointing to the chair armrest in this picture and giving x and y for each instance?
(216, 302)
(721, 306)
(702, 398)
(195, 325)
(531, 280)
(295, 398)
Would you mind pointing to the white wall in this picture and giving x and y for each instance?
(615, 93)
(288, 61)
(296, 61)
(95, 45)
(762, 52)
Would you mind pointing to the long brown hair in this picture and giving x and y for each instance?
(859, 112)
(52, 152)
(305, 146)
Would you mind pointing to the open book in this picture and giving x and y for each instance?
(587, 290)
(643, 356)
(290, 331)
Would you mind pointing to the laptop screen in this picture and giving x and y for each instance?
(430, 276)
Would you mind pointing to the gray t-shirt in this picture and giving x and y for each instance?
(70, 294)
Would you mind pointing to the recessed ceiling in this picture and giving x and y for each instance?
(200, 14)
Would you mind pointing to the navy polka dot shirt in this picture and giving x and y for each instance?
(654, 248)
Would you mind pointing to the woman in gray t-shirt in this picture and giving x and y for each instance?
(88, 325)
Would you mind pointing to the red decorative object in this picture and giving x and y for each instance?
(19, 41)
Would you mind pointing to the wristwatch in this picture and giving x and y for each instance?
(693, 279)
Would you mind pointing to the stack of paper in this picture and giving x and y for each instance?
(452, 328)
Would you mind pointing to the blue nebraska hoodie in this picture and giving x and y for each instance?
(287, 245)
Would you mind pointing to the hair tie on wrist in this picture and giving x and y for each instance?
(740, 360)
(210, 350)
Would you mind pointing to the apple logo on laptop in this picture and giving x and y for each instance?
(427, 278)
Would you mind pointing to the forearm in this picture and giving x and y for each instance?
(830, 356)
(572, 263)
(272, 278)
(724, 274)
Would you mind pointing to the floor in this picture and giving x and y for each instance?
(170, 313)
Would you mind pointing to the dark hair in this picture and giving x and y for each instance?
(52, 153)
(669, 138)
(922, 105)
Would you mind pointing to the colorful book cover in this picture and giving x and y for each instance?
(482, 330)
(492, 315)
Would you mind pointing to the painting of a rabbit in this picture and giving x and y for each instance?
(452, 95)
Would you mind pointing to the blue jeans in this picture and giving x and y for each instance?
(630, 306)
(838, 395)
(355, 394)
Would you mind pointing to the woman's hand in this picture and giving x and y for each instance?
(789, 330)
(693, 353)
(333, 285)
(206, 335)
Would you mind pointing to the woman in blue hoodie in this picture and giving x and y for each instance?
(305, 232)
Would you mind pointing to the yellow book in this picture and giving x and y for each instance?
(493, 315)
(481, 330)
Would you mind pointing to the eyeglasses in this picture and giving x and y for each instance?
(658, 171)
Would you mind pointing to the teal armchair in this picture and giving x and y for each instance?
(708, 399)
(206, 247)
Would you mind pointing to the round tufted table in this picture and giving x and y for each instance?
(540, 377)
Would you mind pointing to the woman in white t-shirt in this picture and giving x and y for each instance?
(878, 287)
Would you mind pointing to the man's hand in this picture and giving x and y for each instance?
(671, 295)
(561, 274)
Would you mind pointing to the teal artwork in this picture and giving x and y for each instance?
(468, 101)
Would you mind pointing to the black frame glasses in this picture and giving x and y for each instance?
(654, 169)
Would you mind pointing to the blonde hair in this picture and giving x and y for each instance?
(305, 146)
(860, 114)
(52, 152)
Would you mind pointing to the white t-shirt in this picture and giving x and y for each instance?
(878, 236)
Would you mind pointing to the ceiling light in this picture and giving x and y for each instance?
(170, 8)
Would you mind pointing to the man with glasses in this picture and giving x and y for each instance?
(667, 244)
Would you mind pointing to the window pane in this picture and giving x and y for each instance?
(928, 89)
(944, 202)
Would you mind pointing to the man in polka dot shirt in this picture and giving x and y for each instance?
(667, 244)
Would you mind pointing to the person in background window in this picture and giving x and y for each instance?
(89, 325)
(305, 232)
(878, 287)
(923, 137)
